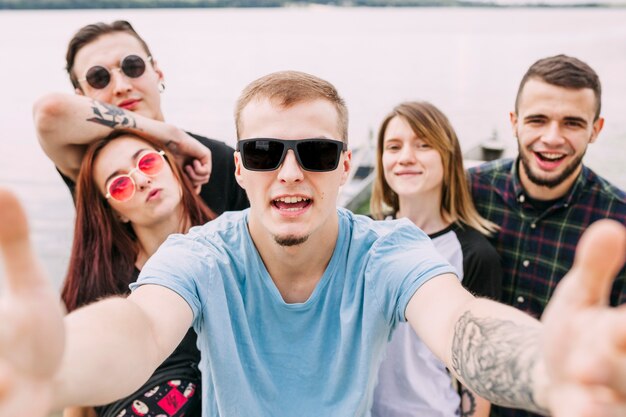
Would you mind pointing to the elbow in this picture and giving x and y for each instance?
(46, 110)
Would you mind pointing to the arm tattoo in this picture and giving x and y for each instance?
(495, 358)
(111, 116)
(468, 402)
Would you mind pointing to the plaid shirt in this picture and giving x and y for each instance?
(537, 247)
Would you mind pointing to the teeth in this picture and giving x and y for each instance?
(291, 200)
(551, 156)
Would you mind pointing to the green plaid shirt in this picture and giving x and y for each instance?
(537, 246)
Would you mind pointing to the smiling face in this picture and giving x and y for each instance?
(411, 167)
(553, 126)
(290, 205)
(156, 199)
(139, 94)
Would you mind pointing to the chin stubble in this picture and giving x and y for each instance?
(549, 182)
(290, 240)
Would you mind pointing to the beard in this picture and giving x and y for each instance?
(290, 240)
(549, 182)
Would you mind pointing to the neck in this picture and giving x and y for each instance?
(424, 211)
(152, 236)
(296, 270)
(541, 192)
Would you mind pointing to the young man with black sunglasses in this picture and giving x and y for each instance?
(118, 85)
(294, 298)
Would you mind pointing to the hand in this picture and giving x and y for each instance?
(585, 340)
(31, 321)
(193, 157)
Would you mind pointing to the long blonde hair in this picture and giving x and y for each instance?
(431, 125)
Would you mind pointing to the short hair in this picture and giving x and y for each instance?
(563, 71)
(432, 126)
(90, 33)
(288, 88)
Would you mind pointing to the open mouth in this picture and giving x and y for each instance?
(549, 156)
(291, 203)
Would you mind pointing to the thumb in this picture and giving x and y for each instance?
(19, 260)
(600, 254)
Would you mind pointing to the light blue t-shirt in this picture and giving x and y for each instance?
(264, 357)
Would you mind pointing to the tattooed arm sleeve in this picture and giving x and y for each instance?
(496, 358)
(492, 348)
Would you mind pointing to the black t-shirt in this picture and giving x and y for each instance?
(181, 364)
(222, 192)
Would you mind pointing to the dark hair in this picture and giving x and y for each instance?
(287, 88)
(105, 250)
(90, 33)
(564, 71)
(432, 126)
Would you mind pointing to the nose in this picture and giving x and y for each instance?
(552, 136)
(290, 170)
(121, 83)
(141, 180)
(406, 155)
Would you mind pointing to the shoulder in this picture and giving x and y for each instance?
(475, 247)
(213, 144)
(364, 228)
(491, 170)
(221, 232)
(604, 189)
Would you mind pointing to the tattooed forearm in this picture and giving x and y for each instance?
(496, 358)
(111, 116)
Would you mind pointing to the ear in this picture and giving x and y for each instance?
(157, 69)
(345, 166)
(238, 168)
(513, 119)
(79, 91)
(596, 129)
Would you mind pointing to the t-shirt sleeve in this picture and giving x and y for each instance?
(400, 263)
(482, 270)
(179, 264)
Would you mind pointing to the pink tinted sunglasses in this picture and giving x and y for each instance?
(122, 187)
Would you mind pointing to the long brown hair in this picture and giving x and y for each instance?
(105, 250)
(432, 126)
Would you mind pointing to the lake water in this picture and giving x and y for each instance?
(466, 61)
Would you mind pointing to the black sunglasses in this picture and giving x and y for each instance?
(99, 76)
(265, 154)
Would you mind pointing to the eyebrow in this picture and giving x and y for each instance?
(119, 171)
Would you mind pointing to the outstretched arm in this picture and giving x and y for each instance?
(66, 124)
(96, 354)
(573, 365)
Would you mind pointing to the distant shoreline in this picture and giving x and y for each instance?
(184, 4)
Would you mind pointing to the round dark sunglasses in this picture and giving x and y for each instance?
(266, 154)
(132, 66)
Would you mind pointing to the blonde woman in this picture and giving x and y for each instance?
(420, 176)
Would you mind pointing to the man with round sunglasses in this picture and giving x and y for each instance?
(118, 85)
(294, 299)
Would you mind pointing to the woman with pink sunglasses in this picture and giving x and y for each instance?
(130, 197)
